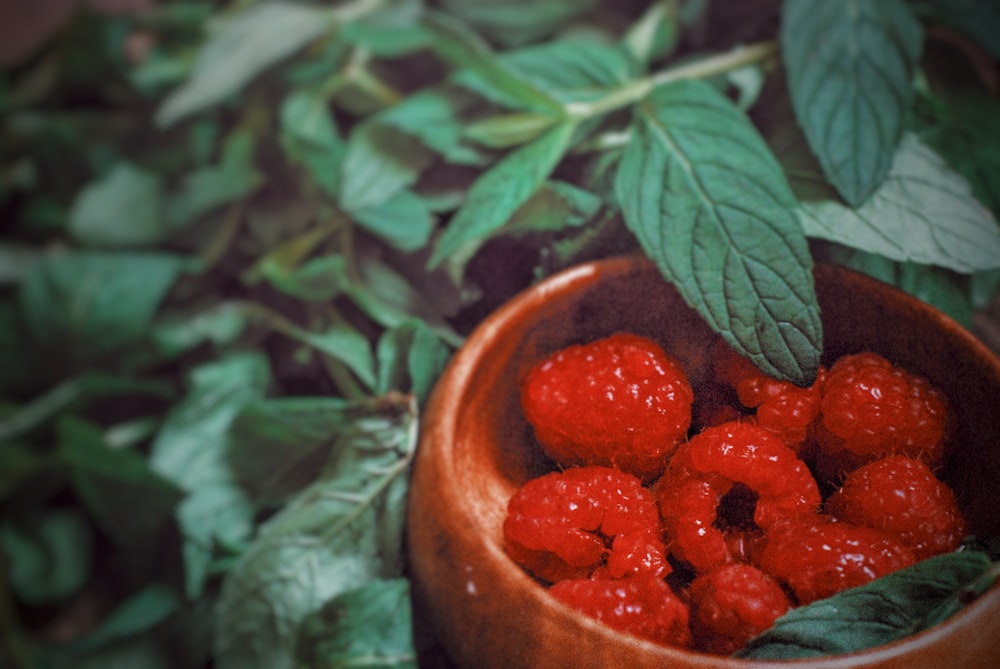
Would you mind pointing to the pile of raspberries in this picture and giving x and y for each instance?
(698, 523)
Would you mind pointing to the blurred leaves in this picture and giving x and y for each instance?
(241, 241)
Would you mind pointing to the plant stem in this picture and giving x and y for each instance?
(701, 69)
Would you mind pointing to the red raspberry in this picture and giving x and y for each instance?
(708, 467)
(782, 407)
(817, 557)
(732, 604)
(618, 401)
(901, 495)
(871, 409)
(584, 521)
(644, 606)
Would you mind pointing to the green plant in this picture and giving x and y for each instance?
(241, 240)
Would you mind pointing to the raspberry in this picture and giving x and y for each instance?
(818, 557)
(708, 468)
(618, 401)
(872, 408)
(901, 495)
(644, 606)
(584, 521)
(782, 407)
(732, 604)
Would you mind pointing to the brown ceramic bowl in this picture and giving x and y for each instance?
(476, 450)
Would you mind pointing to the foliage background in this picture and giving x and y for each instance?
(241, 239)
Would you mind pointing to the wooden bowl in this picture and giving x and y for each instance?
(476, 450)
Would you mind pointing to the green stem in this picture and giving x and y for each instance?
(702, 69)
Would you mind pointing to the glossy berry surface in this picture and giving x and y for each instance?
(617, 401)
(732, 604)
(903, 496)
(872, 408)
(817, 558)
(707, 468)
(585, 521)
(643, 606)
(782, 407)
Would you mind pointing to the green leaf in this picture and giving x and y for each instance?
(336, 535)
(655, 34)
(554, 207)
(963, 126)
(464, 49)
(379, 162)
(923, 212)
(191, 449)
(75, 393)
(403, 221)
(212, 186)
(370, 626)
(19, 464)
(239, 47)
(279, 445)
(139, 613)
(709, 204)
(310, 137)
(392, 31)
(174, 333)
(434, 116)
(499, 191)
(120, 209)
(16, 260)
(573, 70)
(81, 306)
(517, 22)
(49, 554)
(410, 359)
(978, 19)
(885, 610)
(850, 68)
(109, 481)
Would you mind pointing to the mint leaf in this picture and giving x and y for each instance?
(978, 19)
(212, 186)
(573, 70)
(454, 42)
(310, 137)
(902, 218)
(434, 116)
(138, 613)
(120, 209)
(240, 47)
(278, 445)
(709, 204)
(191, 449)
(410, 359)
(380, 161)
(517, 22)
(343, 531)
(497, 194)
(370, 626)
(403, 221)
(964, 127)
(888, 609)
(850, 68)
(82, 306)
(49, 554)
(109, 480)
